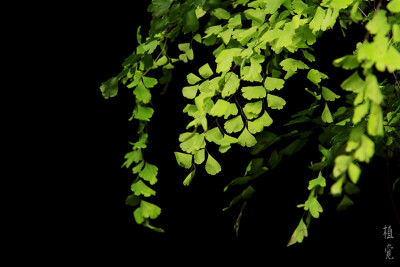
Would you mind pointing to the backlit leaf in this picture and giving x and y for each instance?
(184, 160)
(189, 178)
(273, 83)
(246, 139)
(275, 102)
(149, 173)
(394, 6)
(341, 164)
(142, 93)
(299, 233)
(205, 71)
(225, 58)
(149, 210)
(220, 13)
(190, 91)
(192, 78)
(258, 125)
(143, 113)
(212, 166)
(316, 76)
(354, 172)
(326, 115)
(231, 85)
(375, 121)
(379, 23)
(220, 108)
(366, 150)
(140, 188)
(328, 95)
(254, 92)
(234, 125)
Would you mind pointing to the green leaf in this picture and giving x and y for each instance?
(232, 110)
(234, 125)
(235, 21)
(246, 139)
(231, 85)
(316, 76)
(143, 113)
(366, 150)
(272, 6)
(220, 13)
(149, 173)
(275, 102)
(225, 58)
(273, 83)
(109, 88)
(317, 21)
(142, 93)
(192, 79)
(257, 16)
(205, 71)
(254, 92)
(299, 7)
(190, 92)
(133, 156)
(299, 233)
(319, 181)
(326, 115)
(212, 166)
(313, 206)
(291, 65)
(137, 214)
(360, 111)
(158, 8)
(354, 83)
(253, 109)
(149, 210)
(226, 35)
(220, 108)
(328, 95)
(140, 188)
(348, 62)
(190, 22)
(379, 23)
(396, 33)
(354, 172)
(258, 125)
(199, 156)
(214, 135)
(149, 82)
(189, 178)
(394, 6)
(375, 121)
(191, 142)
(372, 90)
(184, 160)
(342, 162)
(244, 36)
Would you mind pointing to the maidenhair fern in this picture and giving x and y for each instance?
(258, 46)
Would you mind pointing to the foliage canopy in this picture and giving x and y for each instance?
(258, 46)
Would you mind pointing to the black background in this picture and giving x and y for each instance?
(83, 217)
